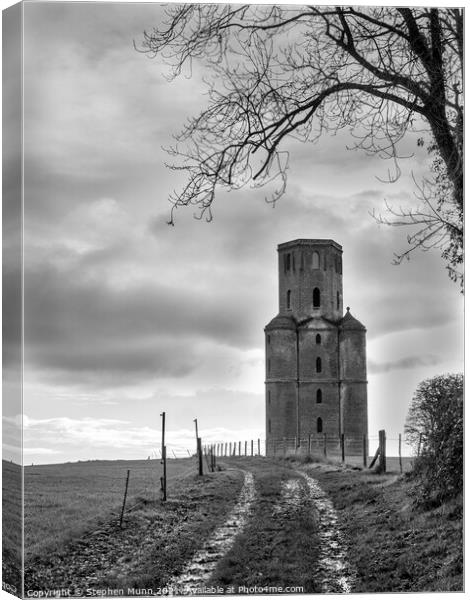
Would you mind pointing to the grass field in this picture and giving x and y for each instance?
(11, 525)
(63, 501)
(74, 538)
(156, 539)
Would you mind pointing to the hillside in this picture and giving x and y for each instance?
(298, 526)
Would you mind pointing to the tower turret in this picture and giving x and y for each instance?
(353, 375)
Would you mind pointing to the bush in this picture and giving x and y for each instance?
(436, 417)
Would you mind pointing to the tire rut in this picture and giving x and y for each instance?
(333, 569)
(197, 572)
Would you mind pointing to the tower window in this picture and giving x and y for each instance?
(315, 260)
(268, 339)
(293, 262)
(319, 397)
(316, 297)
(288, 299)
(337, 300)
(319, 425)
(269, 365)
(338, 264)
(318, 365)
(269, 425)
(318, 339)
(269, 396)
(287, 262)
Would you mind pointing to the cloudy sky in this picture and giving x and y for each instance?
(125, 316)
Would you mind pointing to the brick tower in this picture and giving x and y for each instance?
(316, 380)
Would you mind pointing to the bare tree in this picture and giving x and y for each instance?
(277, 72)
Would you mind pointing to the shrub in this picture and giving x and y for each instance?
(436, 417)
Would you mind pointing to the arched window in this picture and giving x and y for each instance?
(269, 426)
(318, 339)
(316, 297)
(315, 260)
(319, 397)
(318, 365)
(288, 301)
(269, 396)
(319, 425)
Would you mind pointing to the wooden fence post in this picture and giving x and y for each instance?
(382, 457)
(251, 447)
(342, 447)
(163, 453)
(364, 450)
(376, 456)
(259, 447)
(199, 456)
(399, 453)
(239, 448)
(124, 499)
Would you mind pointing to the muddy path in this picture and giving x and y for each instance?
(255, 526)
(334, 572)
(199, 570)
(292, 541)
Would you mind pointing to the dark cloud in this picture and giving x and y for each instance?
(77, 323)
(408, 362)
(11, 311)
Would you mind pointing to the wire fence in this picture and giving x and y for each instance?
(92, 492)
(96, 490)
(356, 450)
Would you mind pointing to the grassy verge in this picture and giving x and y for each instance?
(155, 542)
(393, 546)
(198, 510)
(279, 545)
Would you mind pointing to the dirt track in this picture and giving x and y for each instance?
(260, 526)
(254, 524)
